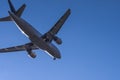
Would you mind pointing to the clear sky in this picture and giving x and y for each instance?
(91, 41)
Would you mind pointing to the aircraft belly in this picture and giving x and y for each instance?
(47, 47)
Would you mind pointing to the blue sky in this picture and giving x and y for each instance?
(91, 41)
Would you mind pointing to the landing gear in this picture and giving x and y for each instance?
(54, 58)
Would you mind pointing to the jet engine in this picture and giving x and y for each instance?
(29, 50)
(57, 40)
(48, 37)
(32, 55)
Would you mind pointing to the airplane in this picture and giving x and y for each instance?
(38, 40)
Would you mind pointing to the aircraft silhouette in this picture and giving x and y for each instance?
(38, 41)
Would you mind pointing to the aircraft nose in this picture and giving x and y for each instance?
(58, 56)
(55, 52)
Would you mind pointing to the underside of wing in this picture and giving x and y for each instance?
(54, 30)
(20, 10)
(16, 48)
(50, 35)
(5, 18)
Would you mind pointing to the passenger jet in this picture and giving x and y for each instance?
(38, 41)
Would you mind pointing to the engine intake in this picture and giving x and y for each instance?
(32, 55)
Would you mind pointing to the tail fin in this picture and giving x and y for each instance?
(17, 13)
(12, 8)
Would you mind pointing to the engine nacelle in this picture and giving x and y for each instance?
(47, 37)
(32, 55)
(57, 40)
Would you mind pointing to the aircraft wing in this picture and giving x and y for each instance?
(16, 48)
(54, 30)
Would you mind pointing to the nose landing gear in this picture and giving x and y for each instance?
(54, 58)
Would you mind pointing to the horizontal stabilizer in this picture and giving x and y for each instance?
(20, 10)
(17, 13)
(5, 19)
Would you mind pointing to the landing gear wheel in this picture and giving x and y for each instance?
(54, 58)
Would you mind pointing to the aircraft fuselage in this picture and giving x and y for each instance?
(35, 36)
